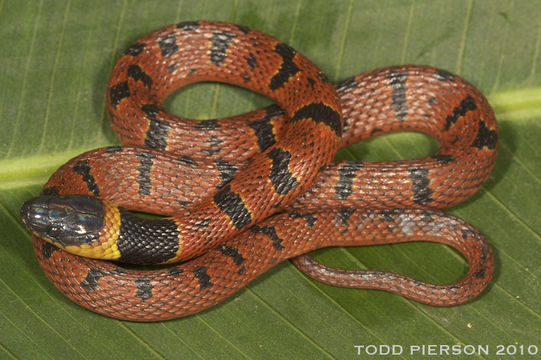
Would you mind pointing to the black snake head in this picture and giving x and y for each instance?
(64, 220)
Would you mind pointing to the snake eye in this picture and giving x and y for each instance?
(66, 220)
(53, 232)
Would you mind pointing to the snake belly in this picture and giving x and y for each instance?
(208, 175)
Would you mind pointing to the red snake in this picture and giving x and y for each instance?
(248, 192)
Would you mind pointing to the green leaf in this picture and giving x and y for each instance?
(55, 62)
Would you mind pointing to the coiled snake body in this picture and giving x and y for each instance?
(251, 191)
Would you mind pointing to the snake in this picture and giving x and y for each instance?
(237, 196)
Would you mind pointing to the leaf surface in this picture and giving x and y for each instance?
(56, 59)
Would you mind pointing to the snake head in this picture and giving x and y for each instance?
(64, 220)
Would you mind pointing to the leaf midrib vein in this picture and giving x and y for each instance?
(34, 166)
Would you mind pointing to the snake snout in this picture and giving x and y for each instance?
(64, 220)
(34, 214)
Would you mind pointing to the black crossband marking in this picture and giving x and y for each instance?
(310, 218)
(263, 129)
(251, 61)
(118, 92)
(320, 113)
(233, 253)
(158, 130)
(188, 25)
(187, 160)
(175, 271)
(114, 149)
(233, 206)
(280, 176)
(466, 104)
(444, 75)
(227, 172)
(146, 160)
(420, 185)
(287, 69)
(168, 44)
(346, 175)
(397, 81)
(138, 74)
(210, 124)
(220, 41)
(343, 215)
(200, 273)
(270, 232)
(83, 168)
(346, 85)
(214, 143)
(144, 288)
(134, 50)
(443, 158)
(485, 137)
(244, 29)
(93, 276)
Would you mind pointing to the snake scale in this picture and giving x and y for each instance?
(245, 193)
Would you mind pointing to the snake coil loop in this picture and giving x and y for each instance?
(245, 193)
